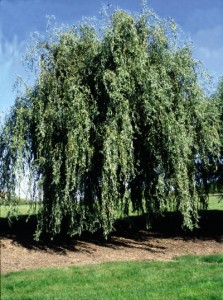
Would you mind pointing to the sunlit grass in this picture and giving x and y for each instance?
(215, 202)
(20, 210)
(189, 277)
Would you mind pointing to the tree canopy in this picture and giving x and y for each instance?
(218, 174)
(116, 120)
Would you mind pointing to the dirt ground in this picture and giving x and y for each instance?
(15, 257)
(164, 242)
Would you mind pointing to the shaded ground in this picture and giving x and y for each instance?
(130, 241)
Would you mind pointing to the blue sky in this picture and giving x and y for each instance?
(200, 20)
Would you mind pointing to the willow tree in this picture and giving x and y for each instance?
(217, 174)
(116, 120)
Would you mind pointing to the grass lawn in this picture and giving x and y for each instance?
(23, 209)
(188, 277)
(215, 202)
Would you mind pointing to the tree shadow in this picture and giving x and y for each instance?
(128, 232)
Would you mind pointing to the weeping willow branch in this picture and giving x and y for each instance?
(113, 122)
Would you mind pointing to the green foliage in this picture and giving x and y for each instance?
(188, 277)
(218, 96)
(113, 118)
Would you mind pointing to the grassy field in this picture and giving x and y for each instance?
(22, 209)
(215, 203)
(188, 277)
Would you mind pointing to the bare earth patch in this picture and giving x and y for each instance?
(17, 256)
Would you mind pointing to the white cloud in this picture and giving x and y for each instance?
(210, 37)
(213, 54)
(205, 18)
(207, 36)
(11, 65)
(212, 60)
(205, 28)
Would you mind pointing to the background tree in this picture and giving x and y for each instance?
(115, 120)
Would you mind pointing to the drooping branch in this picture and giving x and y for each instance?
(112, 123)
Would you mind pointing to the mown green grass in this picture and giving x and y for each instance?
(215, 202)
(22, 209)
(189, 277)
